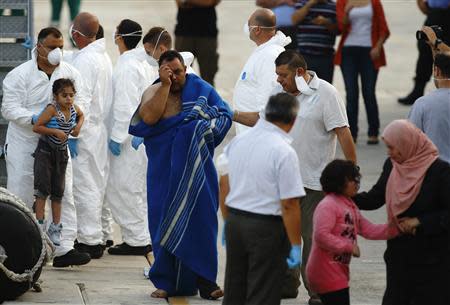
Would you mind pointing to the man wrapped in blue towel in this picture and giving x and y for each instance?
(182, 119)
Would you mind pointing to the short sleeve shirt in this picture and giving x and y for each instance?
(315, 141)
(431, 114)
(262, 169)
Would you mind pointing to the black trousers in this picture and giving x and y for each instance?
(424, 65)
(257, 249)
(422, 281)
(339, 297)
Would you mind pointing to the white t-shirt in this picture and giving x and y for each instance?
(314, 139)
(361, 27)
(258, 77)
(262, 169)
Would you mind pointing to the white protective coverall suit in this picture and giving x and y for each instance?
(258, 77)
(26, 91)
(126, 193)
(90, 167)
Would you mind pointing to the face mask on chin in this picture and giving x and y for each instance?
(303, 86)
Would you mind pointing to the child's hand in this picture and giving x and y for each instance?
(356, 252)
(61, 135)
(75, 132)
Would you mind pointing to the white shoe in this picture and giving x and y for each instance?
(54, 233)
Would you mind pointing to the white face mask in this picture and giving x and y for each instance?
(303, 86)
(54, 56)
(246, 29)
(71, 36)
(152, 61)
(151, 58)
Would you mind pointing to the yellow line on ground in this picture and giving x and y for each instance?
(178, 301)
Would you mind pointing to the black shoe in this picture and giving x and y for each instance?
(94, 251)
(126, 249)
(410, 99)
(109, 243)
(315, 301)
(71, 258)
(373, 140)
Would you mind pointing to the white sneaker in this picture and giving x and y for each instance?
(54, 233)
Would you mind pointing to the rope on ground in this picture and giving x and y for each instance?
(28, 275)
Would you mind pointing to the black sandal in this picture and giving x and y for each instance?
(209, 290)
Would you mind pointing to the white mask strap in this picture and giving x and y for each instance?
(157, 41)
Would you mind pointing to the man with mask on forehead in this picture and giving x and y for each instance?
(431, 112)
(126, 190)
(258, 78)
(90, 149)
(322, 121)
(26, 92)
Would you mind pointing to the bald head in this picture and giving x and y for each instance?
(263, 17)
(87, 24)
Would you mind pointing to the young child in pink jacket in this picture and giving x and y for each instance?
(336, 224)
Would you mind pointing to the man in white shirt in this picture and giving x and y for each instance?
(322, 121)
(256, 208)
(257, 78)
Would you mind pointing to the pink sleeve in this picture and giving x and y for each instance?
(372, 231)
(324, 222)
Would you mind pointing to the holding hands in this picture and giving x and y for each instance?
(409, 225)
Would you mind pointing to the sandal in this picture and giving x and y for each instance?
(209, 290)
(159, 294)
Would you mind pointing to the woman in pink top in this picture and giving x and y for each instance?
(336, 224)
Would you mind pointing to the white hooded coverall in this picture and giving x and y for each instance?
(90, 167)
(26, 91)
(258, 77)
(126, 193)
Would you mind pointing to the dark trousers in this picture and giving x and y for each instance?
(204, 50)
(74, 8)
(339, 297)
(419, 282)
(424, 65)
(356, 62)
(257, 249)
(323, 65)
(308, 205)
(50, 165)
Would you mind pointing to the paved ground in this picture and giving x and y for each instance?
(119, 280)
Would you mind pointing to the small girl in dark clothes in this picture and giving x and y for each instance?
(50, 157)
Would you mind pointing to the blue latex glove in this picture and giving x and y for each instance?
(136, 142)
(73, 147)
(295, 257)
(224, 241)
(34, 118)
(114, 147)
(28, 44)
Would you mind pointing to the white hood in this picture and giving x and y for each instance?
(279, 39)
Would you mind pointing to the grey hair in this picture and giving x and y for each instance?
(281, 108)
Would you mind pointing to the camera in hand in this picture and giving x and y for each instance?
(420, 35)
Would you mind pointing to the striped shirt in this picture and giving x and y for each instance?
(316, 39)
(63, 124)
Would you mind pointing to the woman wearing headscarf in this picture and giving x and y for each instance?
(415, 186)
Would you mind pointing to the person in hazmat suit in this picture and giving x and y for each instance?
(90, 149)
(26, 92)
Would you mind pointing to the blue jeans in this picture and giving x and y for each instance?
(356, 61)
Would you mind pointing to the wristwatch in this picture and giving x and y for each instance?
(437, 42)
